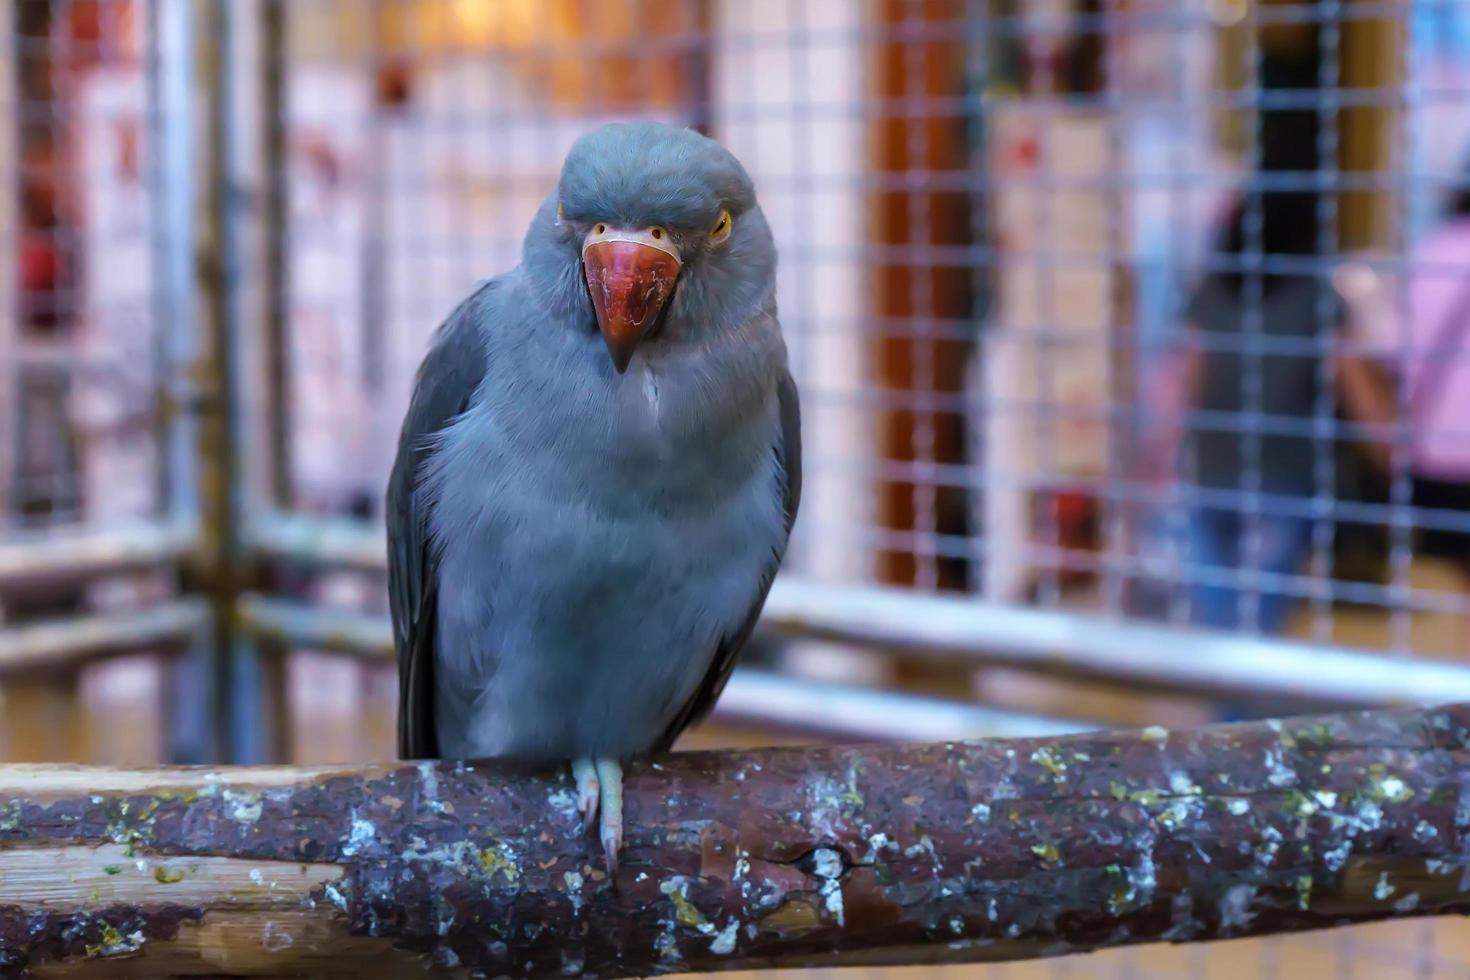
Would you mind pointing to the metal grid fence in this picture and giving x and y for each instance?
(990, 221)
(1074, 293)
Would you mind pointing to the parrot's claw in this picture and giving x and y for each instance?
(584, 773)
(610, 775)
(600, 792)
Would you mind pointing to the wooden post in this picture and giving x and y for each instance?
(787, 857)
(42, 718)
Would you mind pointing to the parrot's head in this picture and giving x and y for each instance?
(663, 225)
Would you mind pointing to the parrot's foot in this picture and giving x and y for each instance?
(610, 775)
(584, 773)
(600, 792)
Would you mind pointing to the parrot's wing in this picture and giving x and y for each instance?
(788, 456)
(452, 370)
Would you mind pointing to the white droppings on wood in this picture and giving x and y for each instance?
(563, 801)
(1048, 759)
(1269, 847)
(1235, 907)
(362, 834)
(336, 893)
(827, 863)
(573, 881)
(429, 778)
(1337, 856)
(1394, 790)
(685, 912)
(924, 846)
(276, 939)
(1370, 816)
(877, 844)
(1143, 877)
(245, 807)
(118, 944)
(724, 942)
(832, 894)
(1277, 772)
(1181, 784)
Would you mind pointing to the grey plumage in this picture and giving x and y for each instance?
(577, 554)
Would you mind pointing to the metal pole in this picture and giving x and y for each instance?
(11, 110)
(275, 272)
(267, 663)
(753, 696)
(943, 627)
(53, 645)
(236, 701)
(1076, 645)
(193, 680)
(171, 82)
(42, 559)
(251, 142)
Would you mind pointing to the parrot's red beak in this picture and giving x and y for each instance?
(631, 275)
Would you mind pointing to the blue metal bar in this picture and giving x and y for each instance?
(65, 643)
(793, 703)
(28, 559)
(951, 627)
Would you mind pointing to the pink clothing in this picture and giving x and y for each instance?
(1439, 283)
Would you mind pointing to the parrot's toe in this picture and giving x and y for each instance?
(584, 773)
(610, 776)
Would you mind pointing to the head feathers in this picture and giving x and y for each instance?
(647, 173)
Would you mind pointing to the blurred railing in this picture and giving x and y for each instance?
(948, 629)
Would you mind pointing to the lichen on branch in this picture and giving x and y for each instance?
(934, 853)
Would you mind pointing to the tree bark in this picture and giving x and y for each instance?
(953, 852)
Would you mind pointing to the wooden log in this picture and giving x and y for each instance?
(953, 852)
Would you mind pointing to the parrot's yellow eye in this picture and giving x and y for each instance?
(560, 211)
(722, 229)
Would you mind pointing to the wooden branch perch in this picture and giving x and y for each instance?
(919, 854)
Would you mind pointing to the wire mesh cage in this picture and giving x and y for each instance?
(1132, 338)
(80, 336)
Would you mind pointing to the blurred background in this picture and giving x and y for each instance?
(1133, 339)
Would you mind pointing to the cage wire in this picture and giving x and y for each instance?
(1074, 291)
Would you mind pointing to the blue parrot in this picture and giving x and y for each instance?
(598, 472)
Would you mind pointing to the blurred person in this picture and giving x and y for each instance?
(1250, 358)
(1281, 311)
(1406, 359)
